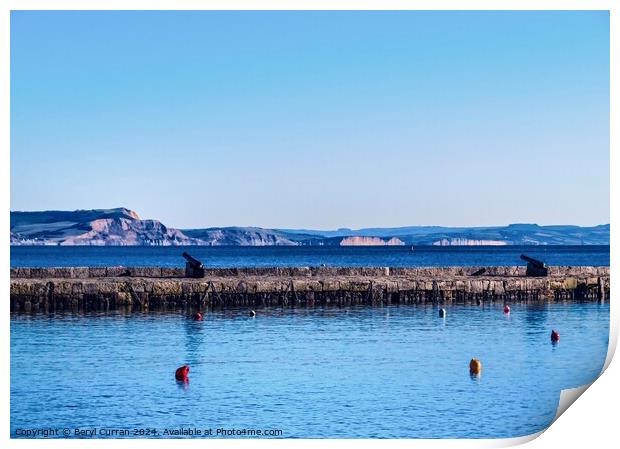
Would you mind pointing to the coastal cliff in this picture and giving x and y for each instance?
(237, 236)
(97, 227)
(370, 241)
(469, 242)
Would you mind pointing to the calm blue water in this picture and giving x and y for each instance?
(360, 372)
(427, 256)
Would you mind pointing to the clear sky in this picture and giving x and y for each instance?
(313, 119)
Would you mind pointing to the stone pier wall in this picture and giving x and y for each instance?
(135, 288)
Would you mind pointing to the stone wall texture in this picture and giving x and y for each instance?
(157, 288)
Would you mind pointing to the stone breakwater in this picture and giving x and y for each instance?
(115, 288)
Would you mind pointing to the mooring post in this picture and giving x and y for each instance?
(600, 293)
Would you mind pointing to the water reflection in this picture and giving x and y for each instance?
(195, 332)
(183, 384)
(536, 315)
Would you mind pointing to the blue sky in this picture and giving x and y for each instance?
(313, 119)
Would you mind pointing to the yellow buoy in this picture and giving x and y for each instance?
(475, 366)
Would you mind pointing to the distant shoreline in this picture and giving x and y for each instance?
(395, 247)
(124, 227)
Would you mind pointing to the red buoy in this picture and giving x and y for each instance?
(198, 316)
(555, 336)
(181, 373)
(506, 308)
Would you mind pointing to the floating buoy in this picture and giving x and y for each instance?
(252, 313)
(475, 366)
(198, 316)
(181, 373)
(506, 308)
(442, 313)
(555, 336)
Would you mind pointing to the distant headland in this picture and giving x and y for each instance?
(123, 227)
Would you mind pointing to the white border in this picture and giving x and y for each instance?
(592, 421)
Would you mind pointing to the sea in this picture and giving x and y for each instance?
(321, 372)
(308, 256)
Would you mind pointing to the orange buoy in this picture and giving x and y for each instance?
(475, 367)
(182, 373)
(506, 308)
(555, 336)
(198, 316)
